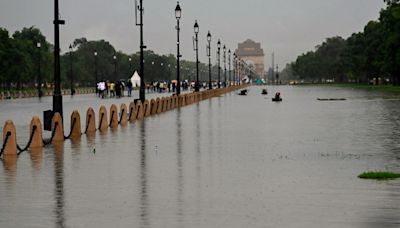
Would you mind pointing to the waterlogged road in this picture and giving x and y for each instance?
(232, 161)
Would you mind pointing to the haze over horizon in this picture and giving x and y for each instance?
(288, 28)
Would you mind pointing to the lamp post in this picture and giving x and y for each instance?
(229, 62)
(115, 67)
(277, 74)
(219, 68)
(234, 68)
(71, 76)
(142, 47)
(224, 49)
(39, 86)
(178, 14)
(130, 64)
(196, 48)
(209, 59)
(95, 71)
(57, 97)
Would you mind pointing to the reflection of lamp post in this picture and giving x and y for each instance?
(71, 76)
(229, 61)
(39, 86)
(219, 68)
(224, 49)
(209, 59)
(178, 15)
(95, 71)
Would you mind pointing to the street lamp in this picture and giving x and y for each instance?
(57, 97)
(234, 68)
(39, 86)
(178, 14)
(219, 68)
(196, 48)
(130, 64)
(209, 59)
(224, 49)
(142, 47)
(95, 71)
(70, 70)
(229, 62)
(115, 66)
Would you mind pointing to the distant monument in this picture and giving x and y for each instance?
(252, 53)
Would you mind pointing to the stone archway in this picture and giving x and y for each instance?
(251, 52)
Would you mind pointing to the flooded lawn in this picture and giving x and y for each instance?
(232, 161)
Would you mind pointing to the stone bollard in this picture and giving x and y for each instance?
(132, 112)
(113, 116)
(37, 139)
(169, 100)
(59, 131)
(76, 128)
(90, 122)
(9, 132)
(124, 114)
(103, 120)
(139, 110)
(153, 105)
(146, 108)
(164, 106)
(174, 102)
(159, 105)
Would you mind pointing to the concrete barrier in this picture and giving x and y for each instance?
(139, 110)
(76, 127)
(159, 105)
(9, 132)
(153, 104)
(132, 112)
(124, 114)
(164, 104)
(113, 116)
(58, 131)
(90, 122)
(37, 139)
(103, 120)
(146, 108)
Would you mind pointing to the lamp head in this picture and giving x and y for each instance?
(178, 11)
(209, 36)
(196, 27)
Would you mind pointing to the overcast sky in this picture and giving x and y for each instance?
(287, 27)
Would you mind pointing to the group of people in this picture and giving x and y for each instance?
(112, 89)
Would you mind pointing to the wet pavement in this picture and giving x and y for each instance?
(231, 161)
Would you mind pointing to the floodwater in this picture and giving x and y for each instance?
(231, 161)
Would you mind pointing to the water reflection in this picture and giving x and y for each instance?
(59, 191)
(198, 159)
(10, 169)
(144, 200)
(180, 211)
(36, 160)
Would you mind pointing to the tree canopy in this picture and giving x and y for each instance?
(372, 53)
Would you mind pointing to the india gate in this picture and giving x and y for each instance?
(252, 53)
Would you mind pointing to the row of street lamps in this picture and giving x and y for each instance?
(57, 97)
(178, 14)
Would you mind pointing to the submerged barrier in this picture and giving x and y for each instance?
(136, 111)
